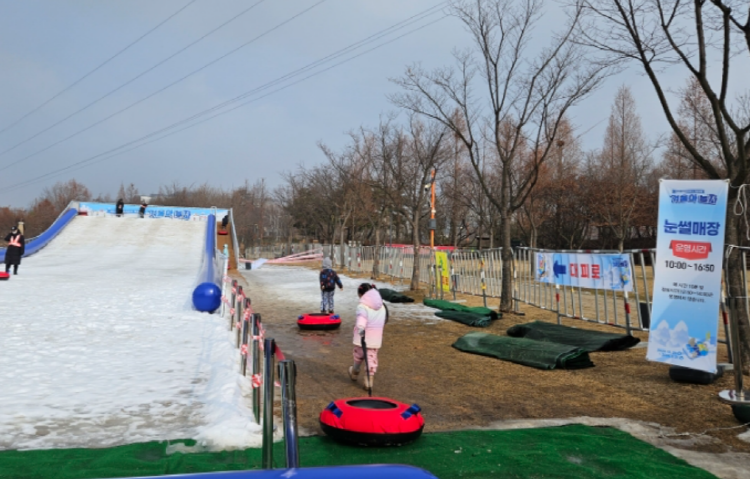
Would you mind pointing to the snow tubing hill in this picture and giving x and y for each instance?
(372, 421)
(33, 245)
(318, 321)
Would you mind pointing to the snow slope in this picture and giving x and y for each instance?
(300, 286)
(100, 345)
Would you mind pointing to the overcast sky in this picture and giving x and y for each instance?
(47, 45)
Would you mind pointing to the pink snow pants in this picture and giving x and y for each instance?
(372, 358)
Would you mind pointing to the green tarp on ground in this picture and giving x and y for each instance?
(393, 296)
(537, 354)
(448, 306)
(469, 319)
(582, 338)
(576, 451)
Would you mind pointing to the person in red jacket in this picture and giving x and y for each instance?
(16, 248)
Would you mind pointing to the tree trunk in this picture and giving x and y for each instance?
(376, 260)
(341, 246)
(506, 254)
(736, 287)
(414, 286)
(288, 242)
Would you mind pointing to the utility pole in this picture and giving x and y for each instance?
(432, 209)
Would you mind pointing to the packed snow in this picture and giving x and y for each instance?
(100, 345)
(299, 286)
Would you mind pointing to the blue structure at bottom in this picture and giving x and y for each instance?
(342, 472)
(207, 297)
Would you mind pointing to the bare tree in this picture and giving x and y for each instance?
(692, 36)
(408, 159)
(62, 193)
(526, 95)
(695, 119)
(130, 194)
(621, 168)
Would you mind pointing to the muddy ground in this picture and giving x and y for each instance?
(457, 390)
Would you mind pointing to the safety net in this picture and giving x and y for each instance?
(537, 354)
(581, 338)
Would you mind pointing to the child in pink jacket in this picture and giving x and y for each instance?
(371, 317)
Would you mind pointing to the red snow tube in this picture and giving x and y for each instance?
(223, 232)
(366, 421)
(4, 276)
(318, 321)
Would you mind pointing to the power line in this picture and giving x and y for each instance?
(96, 69)
(101, 156)
(131, 145)
(121, 87)
(354, 46)
(164, 88)
(397, 26)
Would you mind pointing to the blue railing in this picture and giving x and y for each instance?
(341, 472)
(207, 295)
(38, 242)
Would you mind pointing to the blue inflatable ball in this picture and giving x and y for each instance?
(207, 297)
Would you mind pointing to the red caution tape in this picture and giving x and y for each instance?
(256, 381)
(279, 355)
(243, 350)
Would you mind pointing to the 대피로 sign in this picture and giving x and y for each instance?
(596, 271)
(687, 273)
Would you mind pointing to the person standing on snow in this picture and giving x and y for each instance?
(16, 249)
(328, 281)
(142, 210)
(120, 207)
(371, 318)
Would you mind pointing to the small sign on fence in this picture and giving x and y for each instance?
(595, 271)
(441, 260)
(687, 275)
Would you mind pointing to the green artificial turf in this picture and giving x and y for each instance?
(562, 452)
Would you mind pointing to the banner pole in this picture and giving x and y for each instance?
(627, 314)
(484, 285)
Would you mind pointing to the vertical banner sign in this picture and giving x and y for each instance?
(687, 273)
(596, 271)
(441, 261)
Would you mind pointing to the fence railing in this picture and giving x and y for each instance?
(247, 332)
(479, 273)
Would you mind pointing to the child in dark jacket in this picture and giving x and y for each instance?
(328, 282)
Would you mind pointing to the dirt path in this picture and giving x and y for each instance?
(458, 390)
